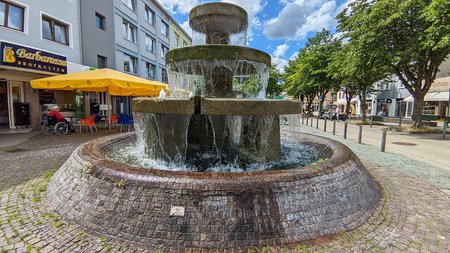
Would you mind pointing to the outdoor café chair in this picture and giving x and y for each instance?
(89, 122)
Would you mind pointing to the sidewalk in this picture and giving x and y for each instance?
(10, 139)
(426, 156)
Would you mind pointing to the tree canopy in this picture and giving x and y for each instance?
(408, 38)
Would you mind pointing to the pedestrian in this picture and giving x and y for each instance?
(95, 108)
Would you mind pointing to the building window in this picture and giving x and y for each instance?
(100, 21)
(149, 15)
(101, 62)
(129, 31)
(11, 15)
(178, 41)
(149, 43)
(164, 51)
(150, 70)
(55, 30)
(164, 77)
(164, 29)
(130, 4)
(129, 64)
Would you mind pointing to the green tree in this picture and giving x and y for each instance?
(274, 86)
(411, 38)
(357, 71)
(308, 76)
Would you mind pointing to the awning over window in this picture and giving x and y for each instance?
(432, 97)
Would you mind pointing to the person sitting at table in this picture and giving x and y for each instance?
(55, 113)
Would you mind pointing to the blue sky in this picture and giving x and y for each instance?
(279, 28)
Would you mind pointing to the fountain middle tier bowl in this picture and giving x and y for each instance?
(206, 55)
(174, 211)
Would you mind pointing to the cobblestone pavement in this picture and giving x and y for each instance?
(438, 177)
(413, 215)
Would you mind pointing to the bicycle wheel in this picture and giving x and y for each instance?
(61, 128)
(46, 129)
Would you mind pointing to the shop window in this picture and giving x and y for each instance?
(149, 15)
(99, 21)
(55, 30)
(129, 64)
(150, 70)
(11, 15)
(101, 62)
(129, 31)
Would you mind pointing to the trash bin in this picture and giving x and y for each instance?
(22, 114)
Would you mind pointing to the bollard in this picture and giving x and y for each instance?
(360, 133)
(303, 118)
(400, 121)
(444, 130)
(312, 119)
(334, 127)
(371, 121)
(345, 130)
(383, 139)
(317, 122)
(325, 125)
(307, 121)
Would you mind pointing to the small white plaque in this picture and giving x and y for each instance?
(177, 211)
(104, 107)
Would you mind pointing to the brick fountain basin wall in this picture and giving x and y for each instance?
(221, 210)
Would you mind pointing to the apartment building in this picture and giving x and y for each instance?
(132, 36)
(37, 39)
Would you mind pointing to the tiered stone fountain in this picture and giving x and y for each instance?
(208, 126)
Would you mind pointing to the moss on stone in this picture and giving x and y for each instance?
(218, 52)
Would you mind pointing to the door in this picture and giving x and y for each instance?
(4, 114)
(15, 95)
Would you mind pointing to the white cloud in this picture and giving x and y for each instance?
(293, 56)
(180, 6)
(187, 28)
(300, 17)
(281, 50)
(280, 63)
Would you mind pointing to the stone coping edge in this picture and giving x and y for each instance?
(217, 106)
(101, 167)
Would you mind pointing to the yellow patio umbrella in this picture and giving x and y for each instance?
(113, 82)
(102, 80)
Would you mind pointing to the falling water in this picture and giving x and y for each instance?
(188, 77)
(162, 136)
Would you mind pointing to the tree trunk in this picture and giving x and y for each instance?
(347, 107)
(417, 110)
(362, 99)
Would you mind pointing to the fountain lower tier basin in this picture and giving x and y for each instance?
(179, 211)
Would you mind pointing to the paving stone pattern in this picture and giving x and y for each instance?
(413, 215)
(438, 177)
(223, 210)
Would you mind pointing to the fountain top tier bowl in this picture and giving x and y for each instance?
(222, 18)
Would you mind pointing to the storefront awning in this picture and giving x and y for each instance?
(102, 80)
(432, 97)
